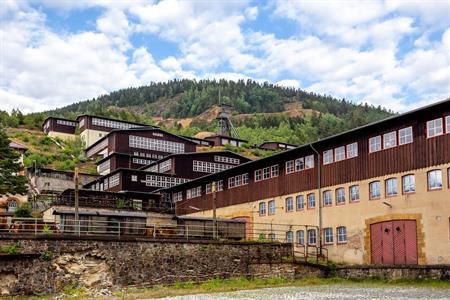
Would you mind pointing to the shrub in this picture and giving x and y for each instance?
(23, 211)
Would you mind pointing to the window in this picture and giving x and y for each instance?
(300, 202)
(219, 185)
(231, 182)
(435, 180)
(341, 234)
(289, 167)
(299, 164)
(141, 142)
(327, 157)
(208, 188)
(312, 237)
(289, 204)
(274, 171)
(271, 207)
(391, 187)
(228, 160)
(339, 153)
(340, 196)
(258, 176)
(405, 136)
(309, 162)
(352, 150)
(112, 124)
(327, 198)
(262, 208)
(194, 192)
(289, 237)
(434, 128)
(447, 124)
(134, 178)
(390, 140)
(163, 181)
(266, 173)
(12, 206)
(177, 196)
(354, 193)
(301, 237)
(374, 190)
(311, 201)
(408, 184)
(238, 180)
(328, 235)
(375, 144)
(114, 180)
(66, 123)
(245, 179)
(203, 166)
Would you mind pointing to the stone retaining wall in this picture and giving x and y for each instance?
(104, 263)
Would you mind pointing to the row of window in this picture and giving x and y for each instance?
(165, 166)
(238, 180)
(104, 166)
(148, 155)
(194, 192)
(208, 167)
(328, 235)
(340, 153)
(436, 127)
(219, 187)
(113, 124)
(405, 136)
(300, 164)
(225, 159)
(67, 123)
(155, 144)
(142, 161)
(163, 181)
(267, 173)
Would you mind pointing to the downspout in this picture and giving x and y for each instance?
(320, 196)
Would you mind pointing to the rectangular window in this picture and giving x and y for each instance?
(300, 202)
(339, 153)
(289, 167)
(231, 182)
(408, 184)
(352, 150)
(311, 201)
(299, 164)
(354, 193)
(375, 144)
(405, 136)
(134, 178)
(327, 157)
(374, 190)
(289, 204)
(312, 237)
(447, 124)
(271, 207)
(328, 235)
(177, 196)
(258, 175)
(434, 128)
(341, 234)
(309, 162)
(262, 208)
(219, 185)
(340, 196)
(274, 171)
(140, 142)
(208, 189)
(114, 180)
(245, 179)
(327, 198)
(266, 173)
(435, 180)
(391, 187)
(390, 140)
(301, 237)
(289, 237)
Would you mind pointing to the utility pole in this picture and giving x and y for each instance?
(77, 217)
(214, 221)
(319, 186)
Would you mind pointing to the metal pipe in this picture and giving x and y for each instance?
(320, 196)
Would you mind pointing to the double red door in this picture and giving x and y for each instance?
(394, 242)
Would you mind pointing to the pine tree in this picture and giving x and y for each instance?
(10, 181)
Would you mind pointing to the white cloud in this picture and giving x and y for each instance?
(290, 83)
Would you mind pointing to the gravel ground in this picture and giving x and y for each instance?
(328, 292)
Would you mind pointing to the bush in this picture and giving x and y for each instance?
(23, 211)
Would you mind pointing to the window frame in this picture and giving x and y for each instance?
(290, 236)
(350, 199)
(297, 202)
(400, 136)
(310, 235)
(403, 184)
(394, 139)
(328, 157)
(338, 196)
(289, 204)
(380, 143)
(262, 209)
(371, 197)
(328, 236)
(348, 150)
(434, 128)
(447, 124)
(330, 194)
(386, 187)
(342, 155)
(308, 202)
(428, 180)
(340, 234)
(300, 235)
(271, 210)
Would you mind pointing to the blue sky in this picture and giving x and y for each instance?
(391, 53)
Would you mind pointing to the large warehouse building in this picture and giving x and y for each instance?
(378, 194)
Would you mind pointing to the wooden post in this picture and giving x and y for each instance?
(214, 210)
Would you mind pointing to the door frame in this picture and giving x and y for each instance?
(367, 255)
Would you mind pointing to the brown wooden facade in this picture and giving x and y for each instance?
(87, 122)
(276, 146)
(59, 125)
(422, 152)
(222, 140)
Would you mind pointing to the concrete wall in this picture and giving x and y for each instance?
(48, 265)
(61, 135)
(430, 209)
(90, 136)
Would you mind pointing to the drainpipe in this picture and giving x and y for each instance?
(319, 198)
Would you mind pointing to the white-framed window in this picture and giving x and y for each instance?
(311, 200)
(299, 164)
(328, 235)
(258, 175)
(104, 166)
(408, 184)
(208, 188)
(81, 123)
(405, 136)
(289, 204)
(140, 142)
(375, 144)
(289, 237)
(134, 178)
(266, 173)
(238, 180)
(114, 180)
(352, 150)
(309, 162)
(262, 208)
(177, 196)
(194, 192)
(391, 187)
(390, 140)
(341, 234)
(354, 193)
(300, 201)
(219, 185)
(274, 171)
(374, 190)
(113, 124)
(327, 198)
(435, 180)
(245, 179)
(434, 128)
(271, 205)
(12, 206)
(231, 182)
(163, 181)
(301, 237)
(290, 167)
(340, 195)
(339, 153)
(447, 124)
(312, 237)
(327, 157)
(66, 123)
(208, 167)
(228, 160)
(106, 184)
(165, 166)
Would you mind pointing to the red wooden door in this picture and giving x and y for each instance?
(394, 242)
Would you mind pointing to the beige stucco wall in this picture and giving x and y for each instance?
(61, 135)
(431, 210)
(90, 136)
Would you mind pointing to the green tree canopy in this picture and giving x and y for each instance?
(10, 180)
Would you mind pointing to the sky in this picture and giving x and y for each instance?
(391, 53)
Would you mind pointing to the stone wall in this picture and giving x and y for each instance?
(437, 272)
(47, 265)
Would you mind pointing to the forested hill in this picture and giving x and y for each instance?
(262, 111)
